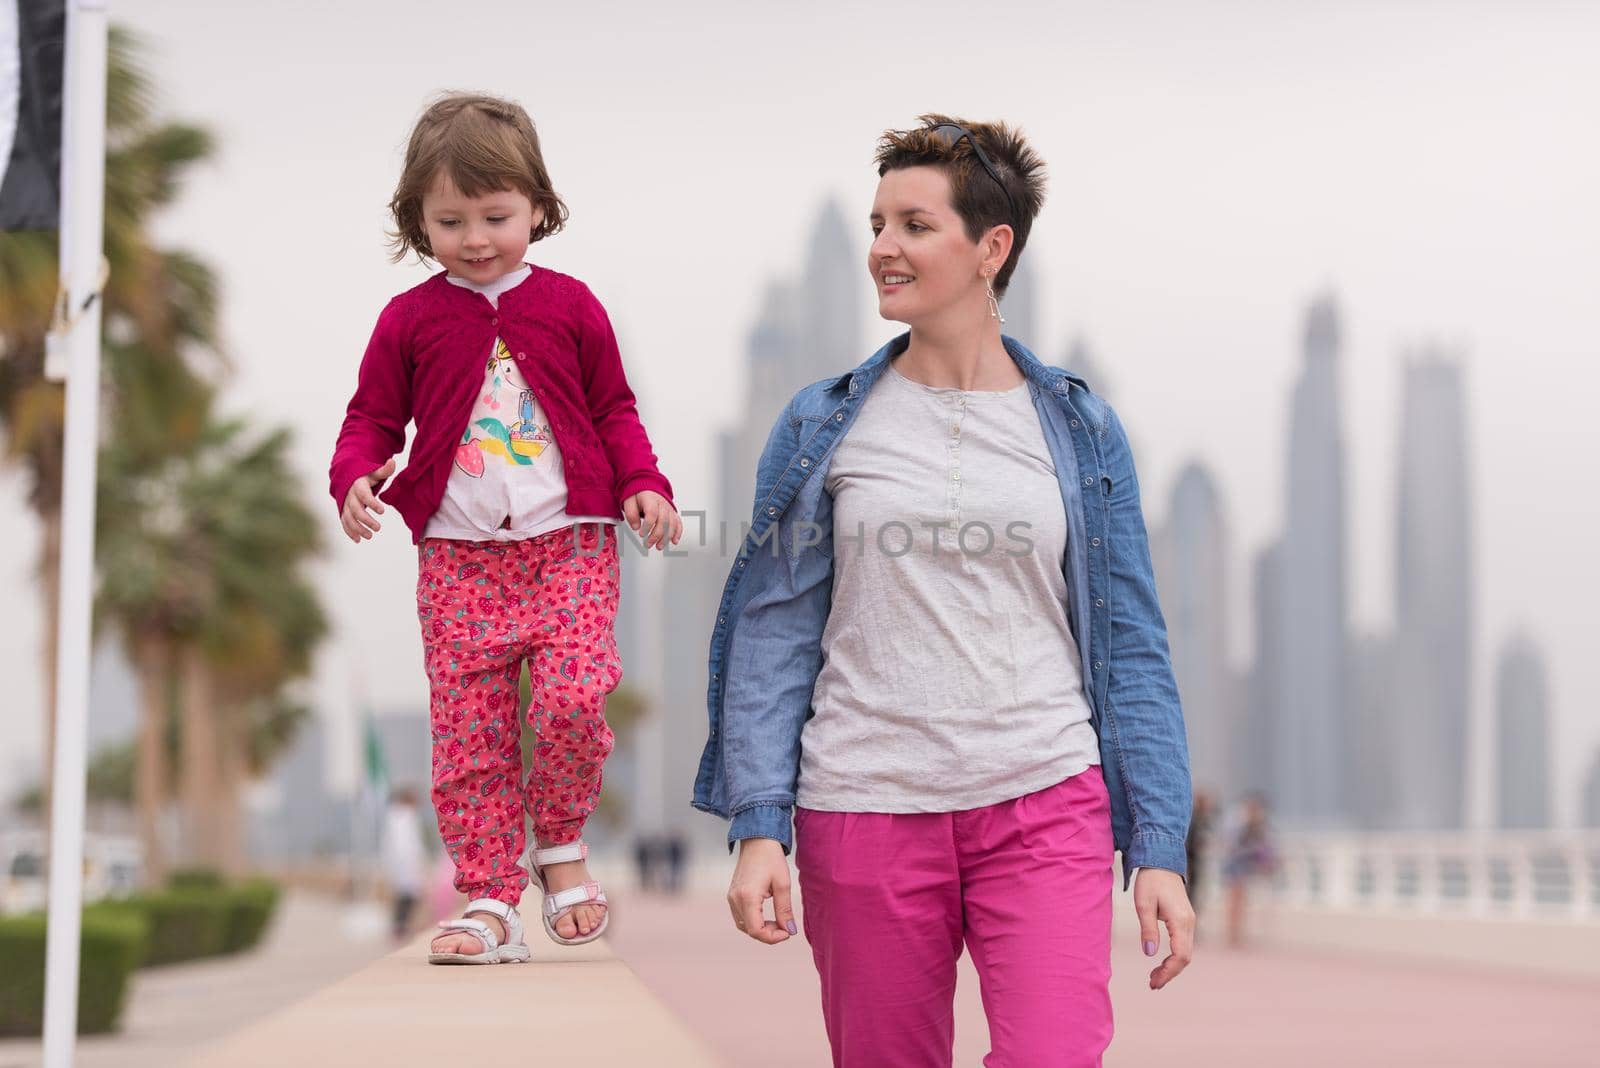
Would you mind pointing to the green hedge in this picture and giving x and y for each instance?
(252, 904)
(184, 924)
(112, 946)
(195, 879)
(196, 918)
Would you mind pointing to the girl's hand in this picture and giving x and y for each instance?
(357, 521)
(1159, 897)
(762, 872)
(658, 515)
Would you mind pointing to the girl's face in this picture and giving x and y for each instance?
(478, 238)
(921, 259)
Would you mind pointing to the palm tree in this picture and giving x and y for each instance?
(201, 566)
(161, 411)
(267, 621)
(161, 304)
(201, 532)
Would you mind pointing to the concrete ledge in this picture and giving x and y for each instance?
(570, 1005)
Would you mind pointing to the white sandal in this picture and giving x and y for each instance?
(560, 902)
(514, 950)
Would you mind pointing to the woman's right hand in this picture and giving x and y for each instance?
(357, 521)
(762, 872)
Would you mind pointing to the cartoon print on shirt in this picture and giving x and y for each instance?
(520, 443)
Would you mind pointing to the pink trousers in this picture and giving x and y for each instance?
(485, 607)
(890, 899)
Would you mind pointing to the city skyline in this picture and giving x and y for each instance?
(1208, 172)
(1399, 693)
(1238, 730)
(1325, 760)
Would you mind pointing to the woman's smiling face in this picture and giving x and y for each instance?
(921, 258)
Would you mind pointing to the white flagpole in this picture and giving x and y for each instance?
(83, 164)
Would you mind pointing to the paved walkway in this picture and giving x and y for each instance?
(574, 1005)
(754, 1004)
(174, 1010)
(1241, 1009)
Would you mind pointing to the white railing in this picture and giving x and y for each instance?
(1510, 874)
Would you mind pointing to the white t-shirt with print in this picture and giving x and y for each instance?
(506, 482)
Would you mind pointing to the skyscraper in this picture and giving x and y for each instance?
(808, 328)
(1256, 744)
(407, 747)
(1377, 763)
(1433, 596)
(1313, 728)
(776, 368)
(831, 291)
(1522, 736)
(1192, 576)
(306, 820)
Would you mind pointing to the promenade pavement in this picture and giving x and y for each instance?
(1247, 1008)
(174, 1010)
(754, 1005)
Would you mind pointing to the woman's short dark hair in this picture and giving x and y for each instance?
(977, 196)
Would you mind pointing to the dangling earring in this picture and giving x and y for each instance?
(994, 304)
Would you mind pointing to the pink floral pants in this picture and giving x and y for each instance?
(485, 607)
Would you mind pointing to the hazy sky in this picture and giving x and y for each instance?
(1213, 166)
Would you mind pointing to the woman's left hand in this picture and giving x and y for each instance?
(1159, 897)
(658, 514)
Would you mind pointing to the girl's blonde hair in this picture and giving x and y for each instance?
(483, 144)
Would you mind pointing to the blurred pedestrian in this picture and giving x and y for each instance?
(676, 855)
(1251, 856)
(1197, 845)
(644, 861)
(403, 856)
(528, 450)
(941, 655)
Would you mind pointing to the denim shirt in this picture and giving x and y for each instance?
(766, 646)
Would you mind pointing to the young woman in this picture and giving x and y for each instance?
(940, 653)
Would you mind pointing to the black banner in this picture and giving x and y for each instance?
(32, 60)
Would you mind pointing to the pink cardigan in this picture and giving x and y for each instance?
(425, 364)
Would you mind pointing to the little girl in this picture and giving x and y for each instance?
(528, 448)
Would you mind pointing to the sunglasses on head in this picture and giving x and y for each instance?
(951, 134)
